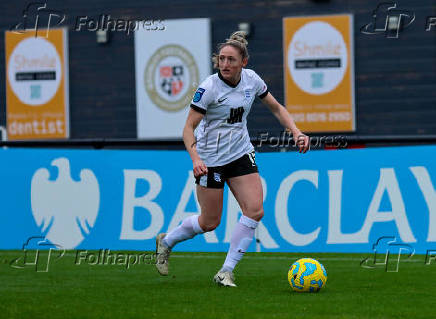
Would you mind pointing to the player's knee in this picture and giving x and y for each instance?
(260, 214)
(210, 225)
(257, 214)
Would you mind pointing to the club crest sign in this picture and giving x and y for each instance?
(171, 77)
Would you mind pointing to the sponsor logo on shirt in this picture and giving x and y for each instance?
(198, 95)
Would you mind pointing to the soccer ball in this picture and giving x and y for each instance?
(307, 275)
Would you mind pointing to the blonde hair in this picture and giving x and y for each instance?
(236, 40)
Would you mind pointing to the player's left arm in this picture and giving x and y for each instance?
(287, 122)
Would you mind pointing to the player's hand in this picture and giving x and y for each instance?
(200, 168)
(301, 140)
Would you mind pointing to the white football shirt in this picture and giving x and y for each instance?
(222, 134)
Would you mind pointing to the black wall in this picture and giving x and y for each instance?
(395, 78)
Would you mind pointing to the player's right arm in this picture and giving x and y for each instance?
(194, 118)
(203, 97)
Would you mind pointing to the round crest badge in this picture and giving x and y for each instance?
(171, 77)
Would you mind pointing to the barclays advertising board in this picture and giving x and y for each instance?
(322, 201)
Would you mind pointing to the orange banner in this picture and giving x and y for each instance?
(37, 105)
(319, 72)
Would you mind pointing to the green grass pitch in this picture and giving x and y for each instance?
(112, 291)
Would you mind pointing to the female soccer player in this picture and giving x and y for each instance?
(222, 152)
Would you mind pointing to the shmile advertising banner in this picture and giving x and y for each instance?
(37, 84)
(319, 72)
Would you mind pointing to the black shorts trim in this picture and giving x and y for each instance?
(218, 175)
(198, 109)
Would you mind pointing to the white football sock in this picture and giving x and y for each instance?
(186, 230)
(241, 238)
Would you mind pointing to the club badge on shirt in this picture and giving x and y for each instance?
(217, 177)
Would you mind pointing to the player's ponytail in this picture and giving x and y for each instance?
(236, 40)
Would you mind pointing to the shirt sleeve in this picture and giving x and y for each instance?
(261, 88)
(202, 97)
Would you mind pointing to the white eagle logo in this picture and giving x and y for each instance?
(64, 207)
